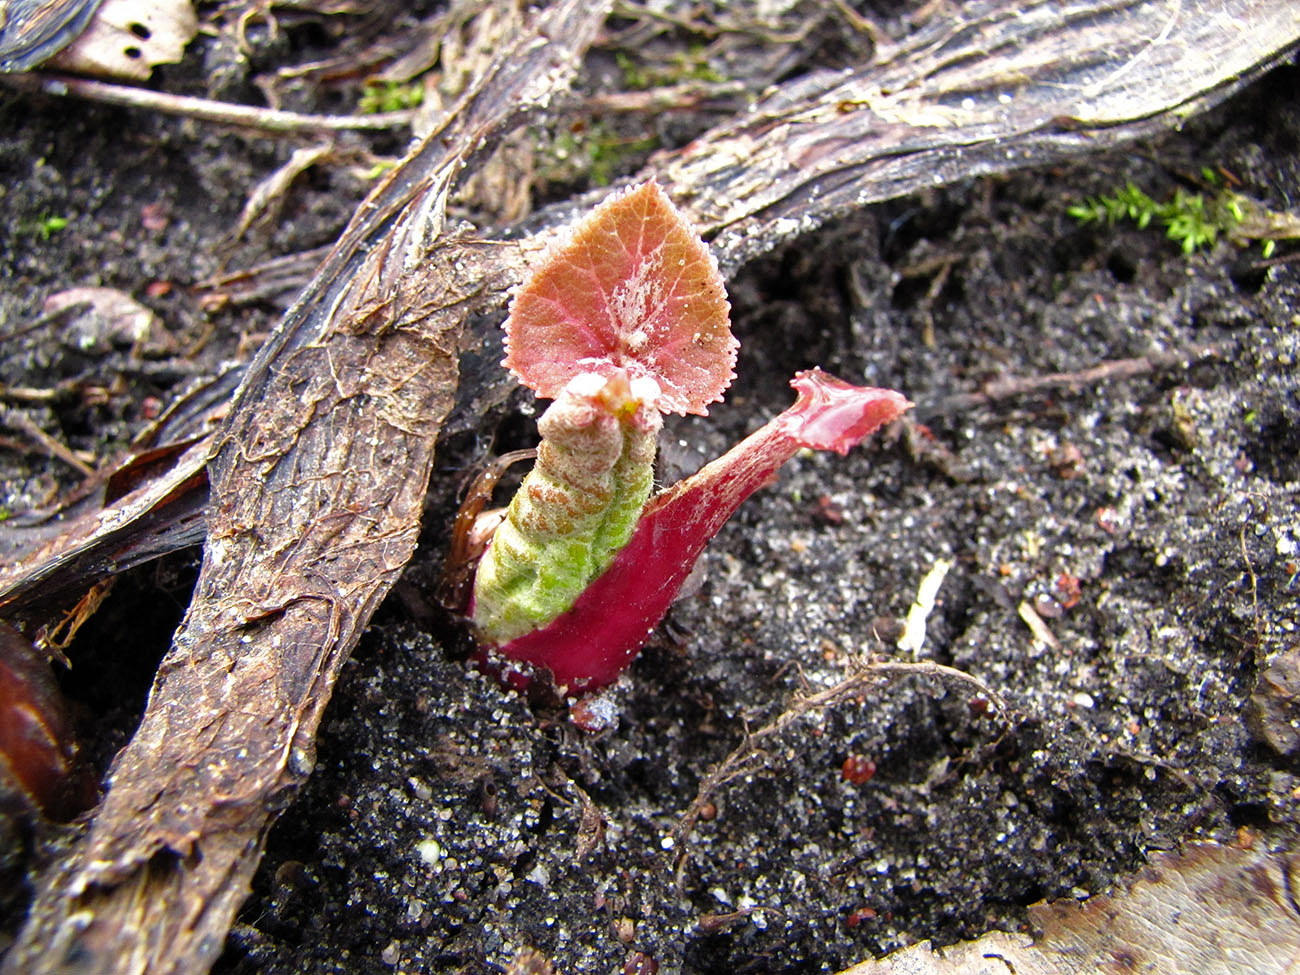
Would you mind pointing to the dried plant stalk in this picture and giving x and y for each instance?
(317, 483)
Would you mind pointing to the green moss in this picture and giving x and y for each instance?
(1192, 220)
(595, 151)
(44, 227)
(681, 67)
(390, 96)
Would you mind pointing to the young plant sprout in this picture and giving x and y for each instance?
(624, 321)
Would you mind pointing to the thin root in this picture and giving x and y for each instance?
(749, 757)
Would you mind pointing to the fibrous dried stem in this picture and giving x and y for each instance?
(692, 95)
(203, 109)
(1107, 371)
(317, 483)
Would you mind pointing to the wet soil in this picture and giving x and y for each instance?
(1149, 520)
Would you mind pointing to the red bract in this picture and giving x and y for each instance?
(632, 288)
(588, 646)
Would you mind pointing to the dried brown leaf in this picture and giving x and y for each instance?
(1212, 910)
(101, 318)
(128, 38)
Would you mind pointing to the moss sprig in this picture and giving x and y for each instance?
(1194, 220)
(1188, 219)
(380, 96)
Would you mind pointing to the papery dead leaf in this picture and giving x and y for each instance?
(128, 38)
(1212, 910)
(110, 318)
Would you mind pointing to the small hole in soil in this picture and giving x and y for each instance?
(1275, 449)
(909, 291)
(1249, 814)
(1122, 268)
(132, 52)
(140, 31)
(1248, 276)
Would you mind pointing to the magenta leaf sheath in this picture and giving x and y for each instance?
(591, 643)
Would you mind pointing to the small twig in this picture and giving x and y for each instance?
(741, 760)
(711, 923)
(1263, 264)
(63, 314)
(267, 198)
(57, 636)
(1105, 371)
(867, 27)
(1254, 593)
(203, 109)
(1181, 775)
(1042, 632)
(277, 276)
(926, 308)
(33, 395)
(928, 668)
(52, 447)
(913, 637)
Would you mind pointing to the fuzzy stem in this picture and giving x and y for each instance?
(575, 509)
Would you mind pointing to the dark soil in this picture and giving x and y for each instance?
(1151, 521)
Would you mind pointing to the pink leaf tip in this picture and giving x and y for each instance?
(632, 288)
(830, 414)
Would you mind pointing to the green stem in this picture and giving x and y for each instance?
(575, 509)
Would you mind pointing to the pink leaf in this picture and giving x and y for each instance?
(591, 644)
(635, 288)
